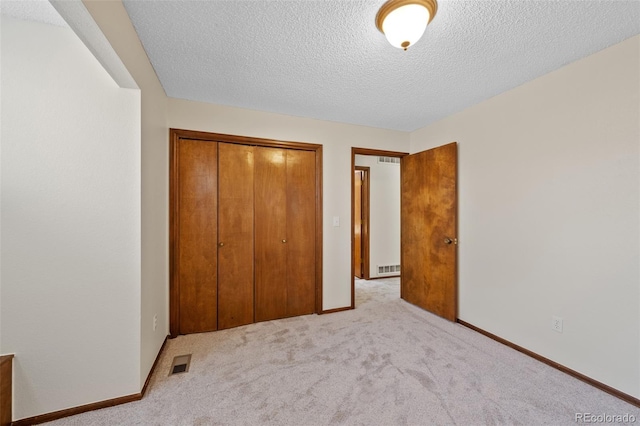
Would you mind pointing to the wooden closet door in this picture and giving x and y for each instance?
(270, 233)
(196, 239)
(301, 232)
(235, 235)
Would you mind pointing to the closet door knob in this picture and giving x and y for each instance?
(284, 241)
(221, 244)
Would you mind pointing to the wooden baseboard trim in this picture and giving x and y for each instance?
(333, 311)
(48, 417)
(599, 385)
(6, 389)
(153, 367)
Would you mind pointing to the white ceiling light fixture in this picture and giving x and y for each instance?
(403, 21)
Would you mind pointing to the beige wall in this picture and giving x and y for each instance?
(70, 223)
(337, 140)
(114, 22)
(549, 214)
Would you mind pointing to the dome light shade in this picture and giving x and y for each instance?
(403, 21)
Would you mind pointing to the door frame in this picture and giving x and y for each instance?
(174, 136)
(372, 152)
(365, 213)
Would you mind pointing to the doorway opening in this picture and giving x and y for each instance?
(428, 227)
(375, 218)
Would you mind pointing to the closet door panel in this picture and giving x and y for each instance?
(270, 233)
(235, 235)
(301, 232)
(196, 245)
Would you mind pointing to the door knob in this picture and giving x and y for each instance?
(221, 244)
(284, 241)
(448, 240)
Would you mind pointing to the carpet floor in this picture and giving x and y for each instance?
(384, 363)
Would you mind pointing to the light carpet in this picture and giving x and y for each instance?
(384, 363)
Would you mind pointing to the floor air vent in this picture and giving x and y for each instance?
(180, 364)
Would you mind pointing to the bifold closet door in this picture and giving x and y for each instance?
(284, 232)
(270, 233)
(235, 235)
(301, 232)
(197, 236)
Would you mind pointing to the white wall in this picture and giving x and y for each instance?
(70, 222)
(114, 22)
(337, 140)
(384, 206)
(549, 214)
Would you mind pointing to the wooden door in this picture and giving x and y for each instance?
(196, 259)
(235, 235)
(301, 232)
(270, 233)
(428, 230)
(285, 229)
(361, 209)
(357, 223)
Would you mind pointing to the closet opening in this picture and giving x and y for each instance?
(245, 230)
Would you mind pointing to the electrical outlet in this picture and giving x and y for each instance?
(155, 322)
(556, 324)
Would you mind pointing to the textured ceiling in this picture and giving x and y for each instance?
(326, 59)
(32, 10)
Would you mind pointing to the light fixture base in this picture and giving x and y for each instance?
(391, 5)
